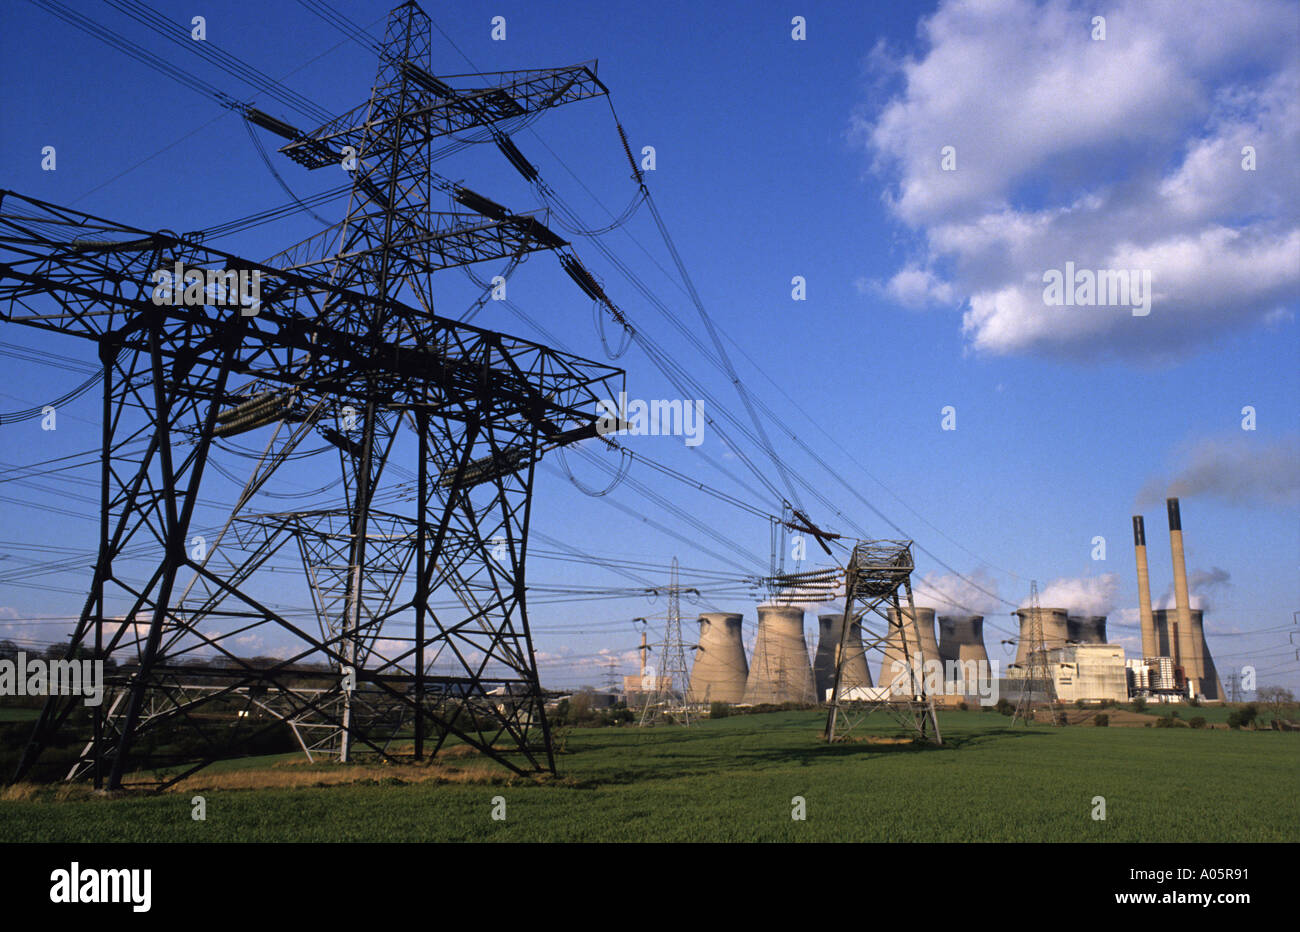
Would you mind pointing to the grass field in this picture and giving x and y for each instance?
(733, 780)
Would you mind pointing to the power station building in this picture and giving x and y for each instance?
(1177, 634)
(1089, 672)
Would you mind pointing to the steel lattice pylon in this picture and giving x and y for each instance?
(670, 700)
(1038, 679)
(876, 572)
(345, 331)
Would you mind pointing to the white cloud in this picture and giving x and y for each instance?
(1124, 153)
(977, 594)
(1084, 595)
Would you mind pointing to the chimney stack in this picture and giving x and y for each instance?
(1150, 646)
(1188, 651)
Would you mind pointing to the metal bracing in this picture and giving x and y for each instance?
(879, 576)
(1037, 699)
(670, 701)
(421, 629)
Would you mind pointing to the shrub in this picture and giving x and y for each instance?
(1004, 707)
(1079, 704)
(719, 710)
(1234, 719)
(1197, 722)
(963, 706)
(1165, 721)
(1139, 704)
(1102, 720)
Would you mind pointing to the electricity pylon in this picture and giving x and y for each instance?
(1038, 675)
(670, 702)
(879, 575)
(344, 343)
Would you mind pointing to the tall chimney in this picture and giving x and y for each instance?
(1150, 646)
(644, 647)
(1188, 651)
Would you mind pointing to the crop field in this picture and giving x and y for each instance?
(736, 780)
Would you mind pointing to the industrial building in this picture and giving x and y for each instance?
(856, 672)
(780, 671)
(893, 664)
(1056, 631)
(720, 670)
(1086, 629)
(1178, 634)
(1089, 672)
(961, 642)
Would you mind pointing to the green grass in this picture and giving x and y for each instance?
(12, 714)
(733, 780)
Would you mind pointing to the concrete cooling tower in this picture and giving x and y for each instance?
(1086, 629)
(720, 670)
(856, 672)
(961, 639)
(780, 671)
(1056, 631)
(1171, 643)
(891, 665)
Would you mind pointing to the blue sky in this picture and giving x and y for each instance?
(818, 158)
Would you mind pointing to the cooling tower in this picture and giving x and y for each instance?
(1211, 685)
(1086, 629)
(780, 671)
(1170, 638)
(828, 644)
(892, 665)
(1056, 631)
(1150, 644)
(720, 669)
(961, 639)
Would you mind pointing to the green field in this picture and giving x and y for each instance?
(733, 780)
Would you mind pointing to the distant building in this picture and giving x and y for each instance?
(1080, 673)
(1089, 672)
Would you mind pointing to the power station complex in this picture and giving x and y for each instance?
(1175, 664)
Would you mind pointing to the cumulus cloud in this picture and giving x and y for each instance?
(1084, 595)
(1236, 470)
(1117, 154)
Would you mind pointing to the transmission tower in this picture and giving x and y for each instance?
(344, 345)
(668, 702)
(1038, 689)
(611, 676)
(879, 575)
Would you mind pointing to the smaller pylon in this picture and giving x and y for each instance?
(1037, 675)
(667, 701)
